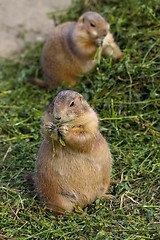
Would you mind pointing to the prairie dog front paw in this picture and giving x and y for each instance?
(50, 126)
(110, 47)
(63, 130)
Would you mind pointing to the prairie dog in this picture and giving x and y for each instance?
(69, 51)
(79, 172)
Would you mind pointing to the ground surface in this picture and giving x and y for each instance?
(126, 96)
(25, 21)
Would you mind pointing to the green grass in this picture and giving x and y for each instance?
(126, 96)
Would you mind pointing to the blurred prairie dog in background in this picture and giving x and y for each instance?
(78, 171)
(70, 50)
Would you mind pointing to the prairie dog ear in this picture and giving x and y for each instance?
(81, 98)
(81, 20)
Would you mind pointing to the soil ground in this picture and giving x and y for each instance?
(25, 21)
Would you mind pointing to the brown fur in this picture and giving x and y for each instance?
(79, 172)
(69, 51)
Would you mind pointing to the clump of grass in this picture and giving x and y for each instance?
(97, 55)
(126, 96)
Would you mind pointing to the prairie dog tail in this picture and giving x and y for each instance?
(38, 82)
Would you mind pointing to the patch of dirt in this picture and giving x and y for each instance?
(25, 21)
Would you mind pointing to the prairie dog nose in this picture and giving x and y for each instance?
(57, 119)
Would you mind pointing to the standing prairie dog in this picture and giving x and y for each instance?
(69, 51)
(78, 171)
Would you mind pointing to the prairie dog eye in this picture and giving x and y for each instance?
(71, 104)
(92, 24)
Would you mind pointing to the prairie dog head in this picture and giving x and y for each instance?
(93, 27)
(71, 108)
